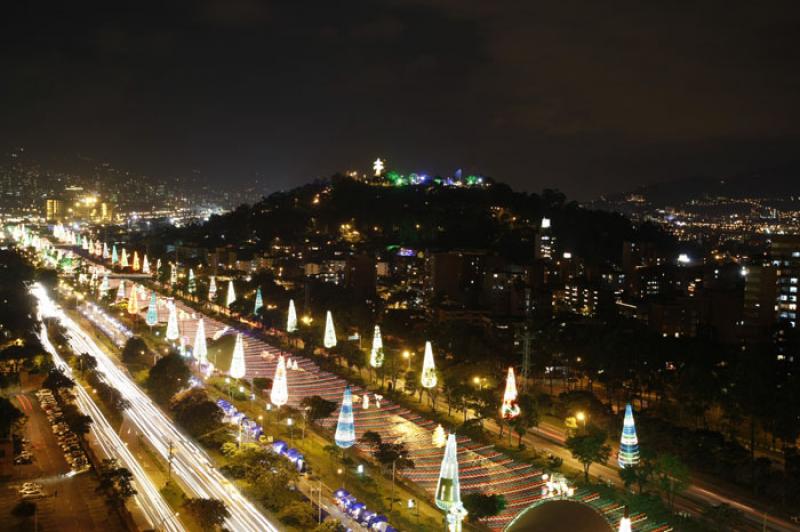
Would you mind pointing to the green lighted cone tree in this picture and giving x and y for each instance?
(259, 303)
(329, 340)
(231, 297)
(152, 310)
(376, 354)
(291, 318)
(448, 489)
(114, 256)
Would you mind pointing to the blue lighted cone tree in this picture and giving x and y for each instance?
(629, 442)
(152, 310)
(345, 435)
(259, 303)
(448, 488)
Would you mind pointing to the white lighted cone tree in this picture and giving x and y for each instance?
(231, 297)
(173, 274)
(376, 354)
(439, 437)
(625, 522)
(237, 369)
(145, 265)
(173, 332)
(136, 264)
(133, 301)
(448, 489)
(510, 409)
(104, 286)
(212, 288)
(279, 395)
(329, 340)
(200, 349)
(291, 318)
(106, 254)
(121, 289)
(429, 379)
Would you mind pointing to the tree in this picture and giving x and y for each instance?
(24, 509)
(135, 349)
(10, 416)
(297, 514)
(86, 363)
(195, 412)
(722, 517)
(169, 375)
(318, 408)
(115, 482)
(210, 514)
(77, 421)
(589, 448)
(56, 380)
(480, 505)
(672, 476)
(329, 525)
(640, 474)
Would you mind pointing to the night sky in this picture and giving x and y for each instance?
(588, 97)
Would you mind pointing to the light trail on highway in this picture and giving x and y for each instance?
(189, 463)
(148, 498)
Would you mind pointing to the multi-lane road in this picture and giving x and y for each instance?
(190, 464)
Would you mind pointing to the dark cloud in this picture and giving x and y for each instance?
(585, 96)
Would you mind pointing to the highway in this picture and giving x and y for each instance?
(190, 464)
(148, 498)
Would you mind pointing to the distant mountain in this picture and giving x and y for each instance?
(777, 183)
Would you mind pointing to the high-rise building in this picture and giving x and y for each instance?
(545, 241)
(54, 210)
(785, 254)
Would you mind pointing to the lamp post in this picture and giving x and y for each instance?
(290, 424)
(581, 416)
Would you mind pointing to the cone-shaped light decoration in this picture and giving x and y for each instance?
(121, 289)
(200, 349)
(98, 248)
(106, 255)
(136, 264)
(173, 274)
(279, 395)
(329, 340)
(625, 522)
(158, 266)
(133, 301)
(629, 443)
(510, 408)
(212, 288)
(376, 354)
(345, 428)
(439, 437)
(104, 286)
(145, 265)
(231, 296)
(173, 333)
(237, 369)
(114, 256)
(152, 311)
(448, 490)
(428, 368)
(84, 244)
(291, 319)
(123, 261)
(192, 284)
(259, 303)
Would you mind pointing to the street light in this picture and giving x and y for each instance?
(581, 416)
(290, 424)
(479, 382)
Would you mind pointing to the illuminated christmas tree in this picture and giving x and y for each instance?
(237, 369)
(625, 522)
(114, 257)
(123, 262)
(448, 489)
(329, 340)
(104, 286)
(158, 267)
(231, 296)
(200, 348)
(629, 443)
(136, 264)
(191, 285)
(510, 408)
(173, 274)
(145, 265)
(376, 353)
(152, 310)
(121, 289)
(173, 332)
(105, 251)
(212, 288)
(345, 435)
(429, 379)
(133, 301)
(259, 303)
(279, 395)
(291, 319)
(439, 437)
